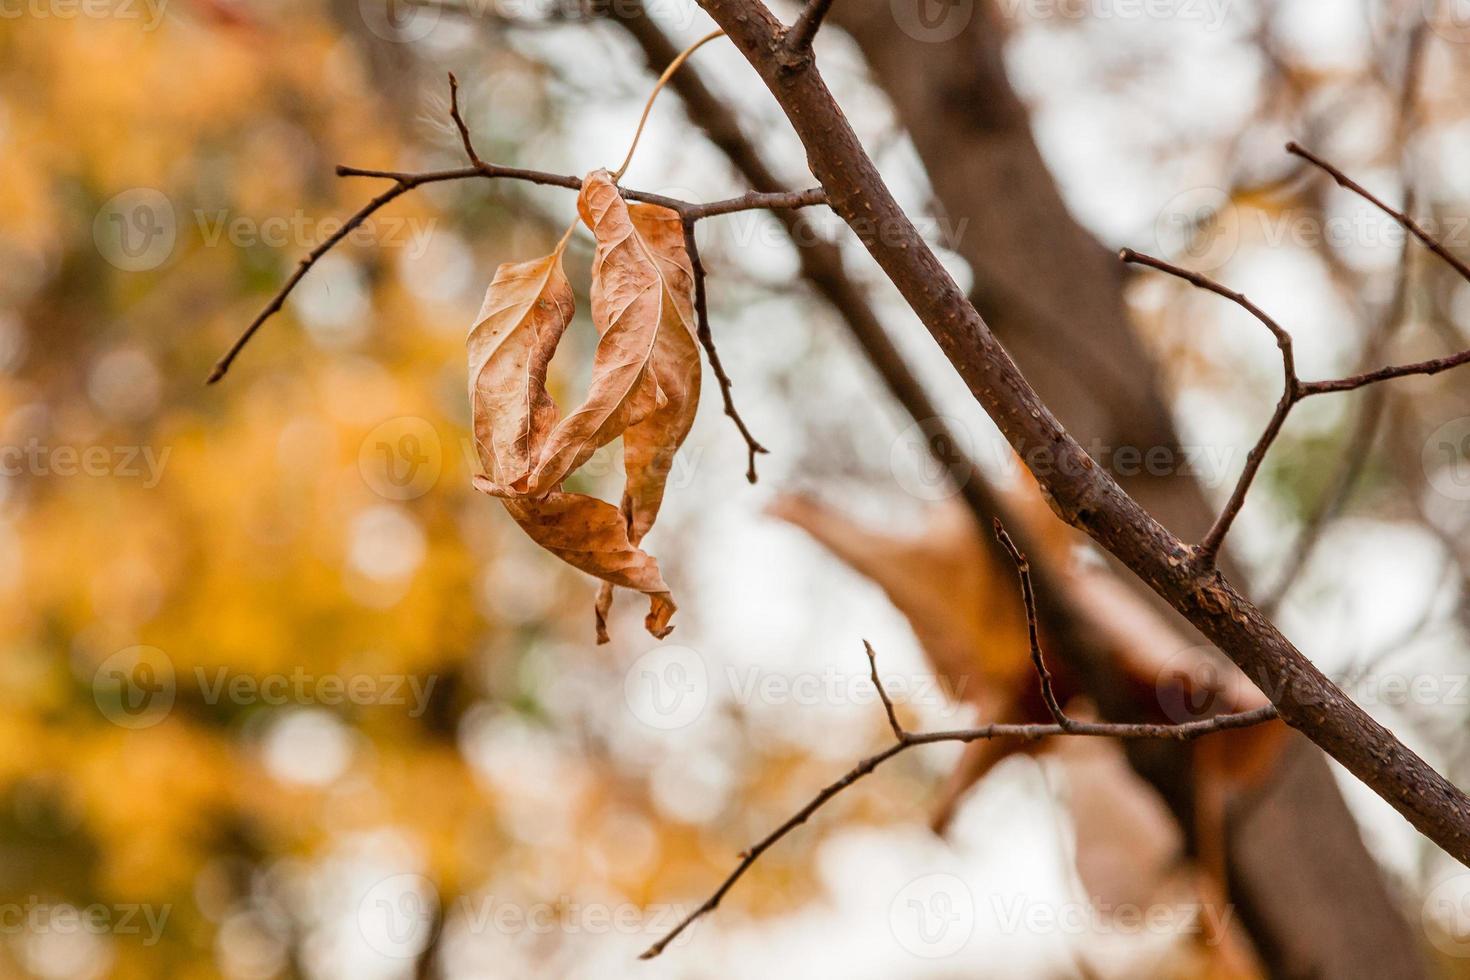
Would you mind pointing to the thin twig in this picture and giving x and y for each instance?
(1294, 389)
(1409, 224)
(279, 299)
(1359, 444)
(707, 339)
(1028, 598)
(459, 123)
(1184, 732)
(1291, 393)
(749, 201)
(1430, 367)
(799, 38)
(405, 181)
(883, 692)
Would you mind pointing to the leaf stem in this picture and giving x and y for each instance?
(648, 106)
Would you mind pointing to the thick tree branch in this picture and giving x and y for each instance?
(1080, 492)
(822, 266)
(1023, 247)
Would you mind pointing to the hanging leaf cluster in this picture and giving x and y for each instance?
(644, 388)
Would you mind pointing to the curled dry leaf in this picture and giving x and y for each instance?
(628, 302)
(527, 308)
(649, 446)
(590, 534)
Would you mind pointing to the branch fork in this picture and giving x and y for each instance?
(903, 740)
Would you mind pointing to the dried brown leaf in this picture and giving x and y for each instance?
(628, 300)
(592, 535)
(527, 308)
(649, 446)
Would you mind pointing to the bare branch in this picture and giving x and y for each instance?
(798, 41)
(1208, 549)
(1184, 732)
(883, 692)
(405, 181)
(1028, 597)
(1409, 224)
(1294, 390)
(459, 123)
(279, 299)
(1354, 458)
(749, 201)
(1081, 492)
(749, 856)
(707, 339)
(1432, 366)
